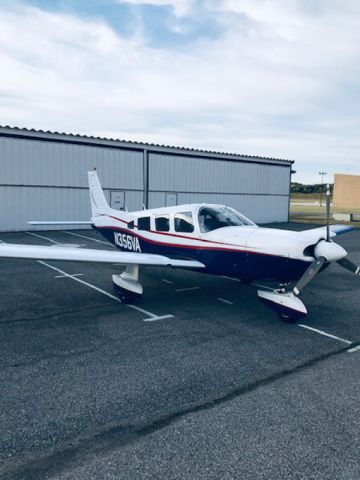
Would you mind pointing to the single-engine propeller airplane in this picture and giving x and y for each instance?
(214, 239)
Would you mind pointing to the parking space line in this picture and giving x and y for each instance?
(44, 238)
(100, 290)
(167, 281)
(187, 289)
(348, 342)
(225, 301)
(67, 276)
(155, 319)
(89, 238)
(355, 349)
(230, 278)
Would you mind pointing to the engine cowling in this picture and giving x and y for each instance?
(331, 251)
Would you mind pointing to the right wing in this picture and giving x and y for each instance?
(320, 232)
(72, 254)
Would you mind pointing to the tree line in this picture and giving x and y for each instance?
(316, 188)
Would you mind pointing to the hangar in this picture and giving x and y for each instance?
(43, 177)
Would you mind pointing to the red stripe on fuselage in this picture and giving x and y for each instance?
(174, 234)
(191, 247)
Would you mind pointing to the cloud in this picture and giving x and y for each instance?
(278, 80)
(180, 7)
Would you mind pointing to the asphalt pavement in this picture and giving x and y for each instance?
(218, 389)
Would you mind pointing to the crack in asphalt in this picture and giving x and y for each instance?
(49, 316)
(108, 440)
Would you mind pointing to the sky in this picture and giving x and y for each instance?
(276, 78)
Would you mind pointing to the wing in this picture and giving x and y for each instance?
(320, 232)
(72, 254)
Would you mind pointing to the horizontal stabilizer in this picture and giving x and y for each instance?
(72, 254)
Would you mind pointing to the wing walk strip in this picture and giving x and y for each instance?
(151, 317)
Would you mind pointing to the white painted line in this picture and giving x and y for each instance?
(155, 319)
(325, 334)
(90, 238)
(355, 349)
(167, 281)
(69, 276)
(187, 289)
(44, 238)
(263, 286)
(225, 301)
(230, 278)
(134, 307)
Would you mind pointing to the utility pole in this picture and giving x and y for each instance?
(322, 183)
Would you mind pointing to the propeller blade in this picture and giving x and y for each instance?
(328, 213)
(309, 274)
(349, 265)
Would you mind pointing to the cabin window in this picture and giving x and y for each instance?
(212, 218)
(184, 222)
(131, 225)
(144, 223)
(162, 223)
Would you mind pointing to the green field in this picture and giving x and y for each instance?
(306, 208)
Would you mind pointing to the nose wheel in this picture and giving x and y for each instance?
(288, 306)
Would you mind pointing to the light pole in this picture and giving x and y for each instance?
(322, 183)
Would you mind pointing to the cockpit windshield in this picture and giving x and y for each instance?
(212, 218)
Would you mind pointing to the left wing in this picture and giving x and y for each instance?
(72, 254)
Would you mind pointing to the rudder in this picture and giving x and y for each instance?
(98, 201)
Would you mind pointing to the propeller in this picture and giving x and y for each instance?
(309, 274)
(325, 251)
(349, 265)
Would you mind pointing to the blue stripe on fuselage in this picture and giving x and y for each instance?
(237, 264)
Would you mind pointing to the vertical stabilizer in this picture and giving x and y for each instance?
(98, 201)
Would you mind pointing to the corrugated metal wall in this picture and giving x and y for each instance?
(46, 179)
(259, 191)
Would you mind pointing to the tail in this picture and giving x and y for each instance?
(98, 201)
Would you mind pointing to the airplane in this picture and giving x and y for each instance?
(214, 239)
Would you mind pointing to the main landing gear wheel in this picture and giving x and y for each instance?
(125, 296)
(127, 286)
(287, 319)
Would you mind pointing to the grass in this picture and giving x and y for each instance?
(314, 213)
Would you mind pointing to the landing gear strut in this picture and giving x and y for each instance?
(127, 286)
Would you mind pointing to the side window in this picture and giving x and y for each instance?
(130, 225)
(144, 223)
(162, 223)
(184, 222)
